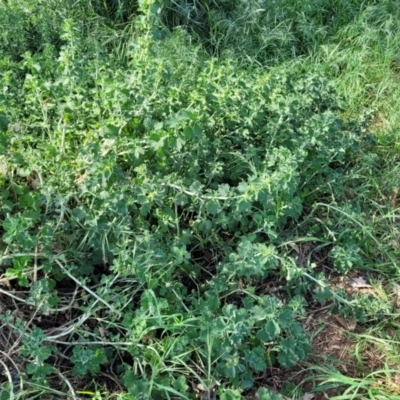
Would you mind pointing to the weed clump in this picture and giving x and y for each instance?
(164, 206)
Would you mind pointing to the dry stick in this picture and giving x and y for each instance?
(16, 297)
(6, 256)
(9, 377)
(35, 266)
(86, 288)
(50, 310)
(95, 343)
(336, 296)
(67, 307)
(81, 320)
(48, 389)
(67, 382)
(21, 386)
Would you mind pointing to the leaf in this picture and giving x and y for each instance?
(223, 190)
(182, 115)
(40, 371)
(104, 195)
(188, 133)
(196, 187)
(181, 199)
(265, 394)
(269, 332)
(87, 360)
(293, 349)
(358, 283)
(79, 214)
(197, 131)
(244, 206)
(213, 207)
(230, 394)
(307, 396)
(287, 356)
(255, 359)
(243, 187)
(136, 386)
(3, 123)
(158, 126)
(33, 342)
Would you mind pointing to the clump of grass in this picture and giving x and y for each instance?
(263, 31)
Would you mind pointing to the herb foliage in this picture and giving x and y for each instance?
(163, 185)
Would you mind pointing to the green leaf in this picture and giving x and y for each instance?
(188, 133)
(181, 385)
(32, 343)
(255, 359)
(6, 394)
(244, 206)
(3, 123)
(230, 394)
(213, 207)
(39, 371)
(269, 332)
(289, 353)
(223, 190)
(137, 387)
(243, 187)
(87, 360)
(181, 199)
(16, 229)
(265, 394)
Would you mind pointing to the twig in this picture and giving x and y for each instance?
(86, 288)
(9, 377)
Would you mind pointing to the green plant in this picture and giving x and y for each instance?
(155, 198)
(87, 360)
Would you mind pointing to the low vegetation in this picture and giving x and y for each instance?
(199, 199)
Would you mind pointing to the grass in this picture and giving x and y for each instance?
(187, 188)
